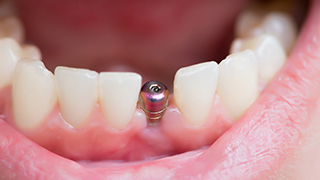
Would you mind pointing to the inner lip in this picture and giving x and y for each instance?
(199, 155)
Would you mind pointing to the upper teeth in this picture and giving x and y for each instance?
(36, 90)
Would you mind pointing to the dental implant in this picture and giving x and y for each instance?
(153, 100)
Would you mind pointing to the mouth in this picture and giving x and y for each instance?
(253, 116)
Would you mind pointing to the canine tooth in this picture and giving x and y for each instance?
(33, 93)
(281, 26)
(32, 51)
(238, 82)
(10, 53)
(12, 27)
(77, 91)
(269, 53)
(194, 89)
(118, 96)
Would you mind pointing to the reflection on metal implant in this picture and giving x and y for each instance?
(153, 100)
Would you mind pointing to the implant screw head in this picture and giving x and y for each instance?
(153, 100)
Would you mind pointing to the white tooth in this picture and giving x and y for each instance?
(194, 89)
(238, 82)
(236, 46)
(10, 53)
(77, 91)
(118, 96)
(33, 93)
(247, 21)
(32, 51)
(269, 52)
(12, 27)
(281, 26)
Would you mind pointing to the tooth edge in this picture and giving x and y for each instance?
(191, 85)
(236, 96)
(33, 101)
(77, 91)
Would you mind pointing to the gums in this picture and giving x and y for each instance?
(258, 146)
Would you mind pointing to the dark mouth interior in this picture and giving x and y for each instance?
(155, 46)
(136, 56)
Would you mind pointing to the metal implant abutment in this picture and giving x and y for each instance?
(153, 100)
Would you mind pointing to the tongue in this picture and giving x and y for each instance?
(151, 38)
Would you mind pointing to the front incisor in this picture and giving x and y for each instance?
(118, 96)
(77, 91)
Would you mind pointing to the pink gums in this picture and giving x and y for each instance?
(96, 140)
(254, 148)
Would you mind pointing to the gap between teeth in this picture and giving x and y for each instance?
(258, 54)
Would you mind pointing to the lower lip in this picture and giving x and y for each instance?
(271, 130)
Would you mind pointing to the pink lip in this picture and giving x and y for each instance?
(255, 147)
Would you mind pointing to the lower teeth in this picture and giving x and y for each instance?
(236, 80)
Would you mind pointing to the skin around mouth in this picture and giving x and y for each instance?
(274, 139)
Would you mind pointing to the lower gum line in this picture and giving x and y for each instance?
(261, 88)
(120, 163)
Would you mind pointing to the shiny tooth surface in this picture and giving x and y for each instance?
(281, 26)
(10, 53)
(238, 82)
(194, 89)
(12, 27)
(118, 96)
(32, 51)
(269, 53)
(33, 93)
(77, 91)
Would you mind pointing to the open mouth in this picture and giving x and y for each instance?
(253, 116)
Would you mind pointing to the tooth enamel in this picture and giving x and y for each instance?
(194, 89)
(238, 82)
(247, 21)
(269, 53)
(11, 27)
(32, 51)
(118, 96)
(77, 91)
(10, 53)
(33, 93)
(236, 46)
(280, 25)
